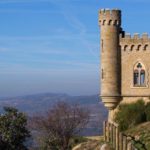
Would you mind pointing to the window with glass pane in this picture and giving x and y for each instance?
(139, 75)
(142, 77)
(136, 77)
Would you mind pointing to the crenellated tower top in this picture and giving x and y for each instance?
(110, 17)
(136, 42)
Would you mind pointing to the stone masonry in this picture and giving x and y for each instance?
(125, 63)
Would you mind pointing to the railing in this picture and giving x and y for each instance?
(118, 140)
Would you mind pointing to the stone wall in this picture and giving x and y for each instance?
(133, 50)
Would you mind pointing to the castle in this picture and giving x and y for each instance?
(125, 63)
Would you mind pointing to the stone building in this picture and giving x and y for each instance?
(125, 63)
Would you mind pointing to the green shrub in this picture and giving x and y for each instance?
(130, 115)
(13, 130)
(147, 111)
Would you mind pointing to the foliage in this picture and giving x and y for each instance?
(59, 125)
(130, 115)
(13, 131)
(147, 111)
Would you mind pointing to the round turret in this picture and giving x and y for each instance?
(110, 24)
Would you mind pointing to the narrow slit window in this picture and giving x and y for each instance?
(102, 44)
(102, 73)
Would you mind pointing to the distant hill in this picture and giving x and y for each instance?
(42, 102)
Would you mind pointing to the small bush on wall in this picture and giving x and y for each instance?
(129, 115)
(147, 111)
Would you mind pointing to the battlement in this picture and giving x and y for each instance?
(135, 42)
(110, 17)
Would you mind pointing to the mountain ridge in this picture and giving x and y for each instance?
(40, 103)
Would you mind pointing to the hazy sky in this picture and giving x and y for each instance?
(53, 45)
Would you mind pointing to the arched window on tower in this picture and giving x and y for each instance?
(139, 75)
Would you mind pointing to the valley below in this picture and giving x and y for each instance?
(40, 103)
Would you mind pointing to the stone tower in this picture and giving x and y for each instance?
(110, 24)
(125, 63)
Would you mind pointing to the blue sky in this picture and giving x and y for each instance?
(53, 45)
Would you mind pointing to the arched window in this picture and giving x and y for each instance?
(139, 75)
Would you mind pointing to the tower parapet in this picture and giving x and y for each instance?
(135, 42)
(110, 17)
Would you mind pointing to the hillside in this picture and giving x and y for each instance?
(91, 143)
(141, 133)
(32, 104)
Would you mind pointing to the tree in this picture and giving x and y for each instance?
(13, 131)
(60, 124)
